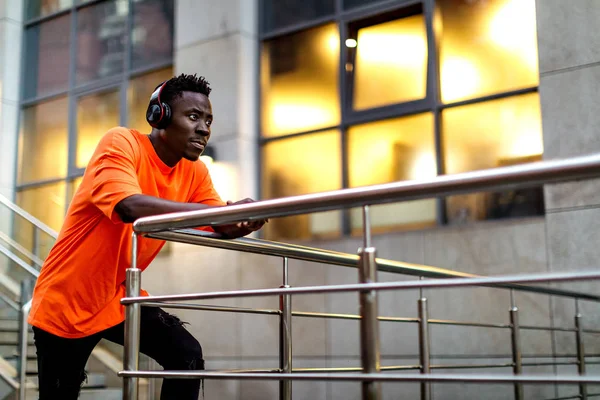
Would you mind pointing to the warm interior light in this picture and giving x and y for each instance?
(351, 43)
(461, 78)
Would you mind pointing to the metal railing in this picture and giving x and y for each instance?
(174, 227)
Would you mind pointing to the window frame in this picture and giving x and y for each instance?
(351, 19)
(120, 82)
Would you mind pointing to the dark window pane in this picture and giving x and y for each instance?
(302, 165)
(43, 142)
(488, 135)
(47, 57)
(152, 36)
(300, 81)
(39, 8)
(138, 95)
(96, 114)
(487, 47)
(358, 3)
(282, 13)
(101, 36)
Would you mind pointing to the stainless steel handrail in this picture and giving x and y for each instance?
(525, 175)
(36, 222)
(21, 249)
(265, 247)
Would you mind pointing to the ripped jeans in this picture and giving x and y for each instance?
(61, 362)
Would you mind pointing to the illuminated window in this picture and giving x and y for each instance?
(487, 47)
(391, 63)
(300, 81)
(488, 135)
(388, 151)
(96, 114)
(46, 203)
(43, 143)
(282, 13)
(301, 165)
(139, 92)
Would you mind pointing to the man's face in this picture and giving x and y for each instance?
(189, 130)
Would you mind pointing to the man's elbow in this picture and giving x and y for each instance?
(125, 209)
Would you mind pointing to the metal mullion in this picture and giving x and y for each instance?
(72, 105)
(145, 69)
(88, 3)
(45, 97)
(297, 27)
(345, 216)
(34, 184)
(97, 85)
(265, 140)
(389, 111)
(22, 70)
(123, 97)
(38, 20)
(496, 96)
(371, 10)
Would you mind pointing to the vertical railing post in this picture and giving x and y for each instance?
(369, 322)
(516, 345)
(132, 325)
(580, 351)
(424, 354)
(23, 341)
(285, 336)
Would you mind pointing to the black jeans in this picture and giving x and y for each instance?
(61, 361)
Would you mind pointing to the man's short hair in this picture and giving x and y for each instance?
(184, 83)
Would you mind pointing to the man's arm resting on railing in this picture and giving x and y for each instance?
(139, 205)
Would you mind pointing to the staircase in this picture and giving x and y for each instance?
(24, 243)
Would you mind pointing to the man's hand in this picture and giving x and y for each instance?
(241, 228)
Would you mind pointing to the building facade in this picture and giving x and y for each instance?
(321, 95)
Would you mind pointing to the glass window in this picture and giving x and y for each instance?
(488, 135)
(101, 35)
(300, 81)
(43, 141)
(139, 92)
(152, 36)
(282, 13)
(96, 114)
(301, 165)
(487, 47)
(391, 62)
(39, 8)
(46, 203)
(389, 151)
(47, 57)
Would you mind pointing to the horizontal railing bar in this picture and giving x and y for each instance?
(10, 302)
(257, 246)
(470, 366)
(349, 316)
(23, 265)
(474, 324)
(518, 176)
(357, 369)
(21, 249)
(212, 308)
(447, 283)
(441, 378)
(30, 218)
(547, 328)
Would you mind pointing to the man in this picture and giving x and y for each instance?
(76, 300)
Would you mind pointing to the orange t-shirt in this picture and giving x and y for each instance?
(81, 283)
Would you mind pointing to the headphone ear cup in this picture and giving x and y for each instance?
(166, 119)
(153, 115)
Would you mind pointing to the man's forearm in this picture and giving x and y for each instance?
(139, 205)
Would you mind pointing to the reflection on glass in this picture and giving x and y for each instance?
(300, 81)
(301, 165)
(488, 135)
(389, 151)
(101, 35)
(43, 141)
(152, 35)
(281, 13)
(46, 203)
(47, 57)
(391, 63)
(138, 95)
(487, 47)
(96, 114)
(39, 8)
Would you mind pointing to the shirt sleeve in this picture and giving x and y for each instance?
(114, 175)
